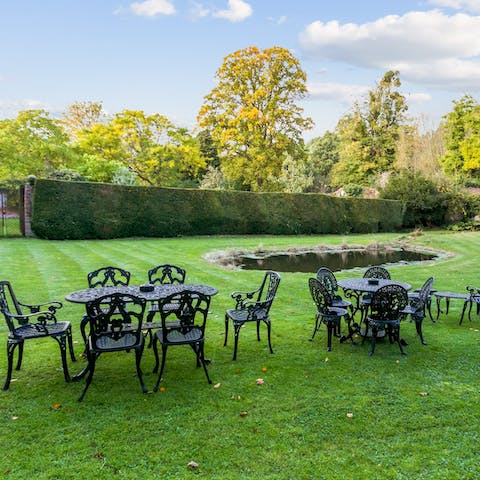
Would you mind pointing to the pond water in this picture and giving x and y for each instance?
(308, 262)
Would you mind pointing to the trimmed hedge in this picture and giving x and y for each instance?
(81, 210)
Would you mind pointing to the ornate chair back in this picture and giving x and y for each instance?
(388, 302)
(377, 272)
(108, 276)
(166, 274)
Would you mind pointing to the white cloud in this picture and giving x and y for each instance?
(237, 11)
(424, 46)
(278, 20)
(470, 5)
(152, 8)
(416, 98)
(10, 108)
(344, 93)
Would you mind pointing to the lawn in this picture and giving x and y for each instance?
(335, 415)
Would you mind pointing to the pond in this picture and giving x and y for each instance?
(308, 262)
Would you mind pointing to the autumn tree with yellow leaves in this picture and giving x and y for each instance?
(253, 115)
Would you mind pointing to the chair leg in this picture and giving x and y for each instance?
(269, 332)
(236, 328)
(226, 331)
(467, 302)
(317, 325)
(373, 340)
(258, 330)
(330, 329)
(418, 326)
(138, 359)
(10, 352)
(155, 352)
(164, 356)
(396, 333)
(92, 357)
(70, 344)
(20, 355)
(62, 343)
(202, 359)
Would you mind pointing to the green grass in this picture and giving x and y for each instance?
(297, 425)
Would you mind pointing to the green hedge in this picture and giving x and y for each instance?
(78, 210)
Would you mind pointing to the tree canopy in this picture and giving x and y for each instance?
(253, 115)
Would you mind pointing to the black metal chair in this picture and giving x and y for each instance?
(327, 312)
(115, 325)
(39, 322)
(376, 271)
(184, 325)
(473, 299)
(104, 277)
(386, 309)
(162, 274)
(417, 305)
(328, 279)
(253, 307)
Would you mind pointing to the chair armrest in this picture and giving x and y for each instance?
(242, 298)
(50, 306)
(37, 319)
(473, 291)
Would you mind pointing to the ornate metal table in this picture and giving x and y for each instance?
(158, 292)
(354, 288)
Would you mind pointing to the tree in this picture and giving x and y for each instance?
(369, 135)
(82, 116)
(150, 146)
(322, 155)
(253, 116)
(33, 144)
(461, 134)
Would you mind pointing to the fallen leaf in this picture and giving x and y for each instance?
(326, 359)
(423, 394)
(57, 406)
(397, 361)
(217, 385)
(260, 381)
(243, 414)
(264, 369)
(192, 464)
(161, 389)
(237, 371)
(350, 415)
(14, 418)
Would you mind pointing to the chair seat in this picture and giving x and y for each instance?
(108, 343)
(245, 315)
(169, 307)
(336, 311)
(176, 336)
(381, 321)
(24, 332)
(158, 325)
(341, 303)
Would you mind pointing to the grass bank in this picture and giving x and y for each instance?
(317, 415)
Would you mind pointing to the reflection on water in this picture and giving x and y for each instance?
(308, 262)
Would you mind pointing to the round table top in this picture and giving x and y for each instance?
(369, 284)
(159, 291)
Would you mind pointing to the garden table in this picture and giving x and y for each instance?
(153, 294)
(448, 296)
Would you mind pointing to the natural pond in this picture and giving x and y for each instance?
(308, 262)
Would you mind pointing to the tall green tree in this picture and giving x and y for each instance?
(33, 144)
(253, 115)
(82, 116)
(150, 146)
(462, 137)
(369, 134)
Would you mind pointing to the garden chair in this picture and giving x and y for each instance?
(104, 277)
(386, 313)
(418, 302)
(328, 279)
(472, 299)
(115, 325)
(327, 312)
(162, 274)
(253, 307)
(184, 325)
(373, 272)
(30, 322)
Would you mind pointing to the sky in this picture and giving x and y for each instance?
(160, 56)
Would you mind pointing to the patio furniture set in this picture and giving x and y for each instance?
(120, 317)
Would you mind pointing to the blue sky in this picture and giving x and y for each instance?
(161, 56)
